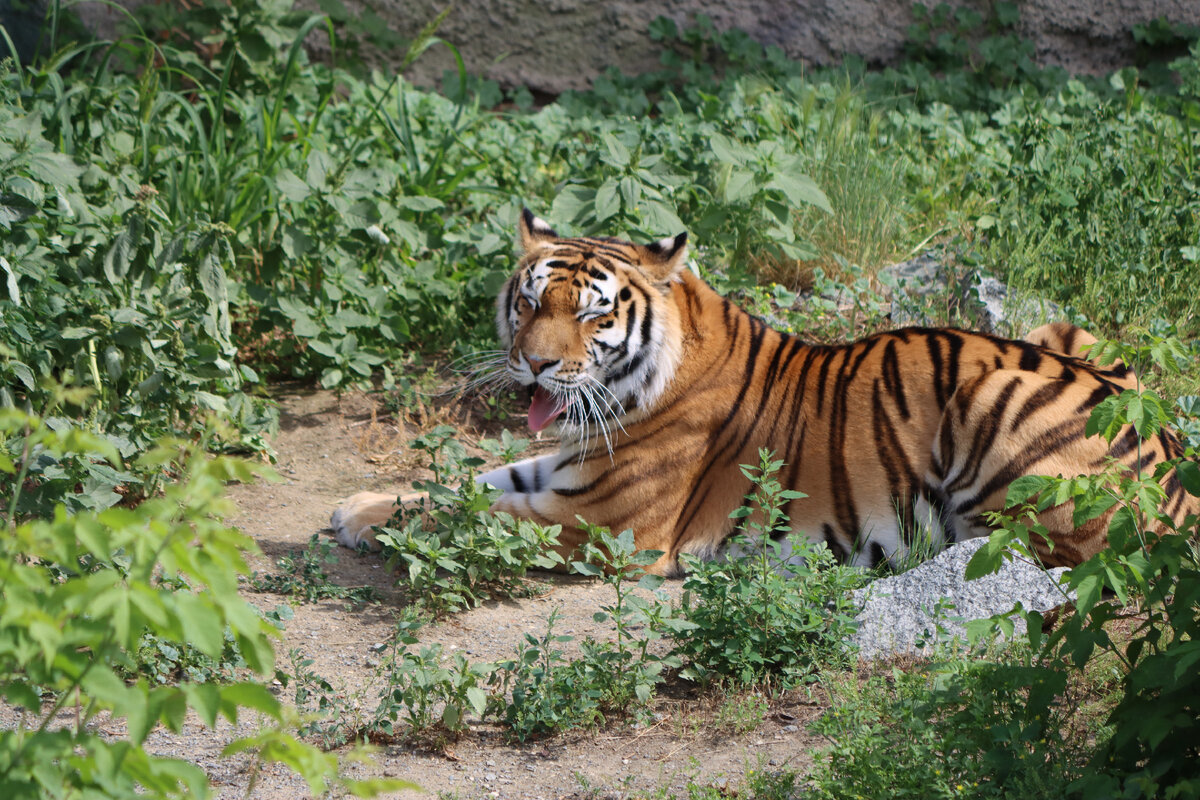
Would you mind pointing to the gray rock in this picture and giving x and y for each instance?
(980, 300)
(914, 611)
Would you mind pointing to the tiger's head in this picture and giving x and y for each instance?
(590, 327)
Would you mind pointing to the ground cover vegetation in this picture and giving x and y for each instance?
(196, 210)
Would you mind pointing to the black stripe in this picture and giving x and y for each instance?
(1068, 342)
(892, 379)
(715, 453)
(877, 554)
(901, 477)
(517, 481)
(647, 322)
(1095, 398)
(986, 433)
(955, 342)
(823, 375)
(1042, 447)
(628, 368)
(935, 358)
(1031, 357)
(836, 545)
(843, 499)
(1044, 396)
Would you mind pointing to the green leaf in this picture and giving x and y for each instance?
(1189, 476)
(726, 151)
(291, 186)
(246, 694)
(989, 558)
(296, 242)
(617, 152)
(319, 166)
(201, 622)
(477, 698)
(573, 203)
(608, 202)
(13, 209)
(1024, 488)
(800, 190)
(660, 218)
(740, 186)
(14, 291)
(419, 203)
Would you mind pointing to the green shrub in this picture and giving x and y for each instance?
(453, 553)
(81, 592)
(1154, 743)
(974, 730)
(765, 616)
(538, 692)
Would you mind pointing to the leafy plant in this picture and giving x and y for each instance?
(425, 689)
(903, 735)
(537, 692)
(1155, 738)
(765, 615)
(302, 574)
(540, 692)
(80, 594)
(624, 670)
(454, 552)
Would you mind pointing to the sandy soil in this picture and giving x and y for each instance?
(329, 448)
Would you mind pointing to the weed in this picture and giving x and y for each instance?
(454, 553)
(85, 594)
(550, 694)
(741, 713)
(767, 616)
(888, 737)
(302, 575)
(536, 692)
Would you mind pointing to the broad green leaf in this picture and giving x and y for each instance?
(740, 186)
(14, 291)
(608, 202)
(477, 698)
(1189, 476)
(800, 190)
(14, 209)
(617, 152)
(291, 186)
(419, 203)
(201, 622)
(660, 218)
(727, 151)
(1024, 488)
(246, 694)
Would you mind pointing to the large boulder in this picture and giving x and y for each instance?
(915, 611)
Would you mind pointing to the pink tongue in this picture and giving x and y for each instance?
(543, 409)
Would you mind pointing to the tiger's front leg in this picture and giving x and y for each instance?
(528, 492)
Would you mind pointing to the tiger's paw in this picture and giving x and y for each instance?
(354, 521)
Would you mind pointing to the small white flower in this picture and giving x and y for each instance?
(378, 235)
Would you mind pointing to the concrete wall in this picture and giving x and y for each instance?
(552, 45)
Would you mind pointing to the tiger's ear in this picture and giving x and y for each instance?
(534, 230)
(664, 259)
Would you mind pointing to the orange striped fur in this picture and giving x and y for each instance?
(662, 388)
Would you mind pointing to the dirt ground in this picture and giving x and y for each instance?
(329, 448)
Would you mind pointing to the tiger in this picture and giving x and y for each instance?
(659, 388)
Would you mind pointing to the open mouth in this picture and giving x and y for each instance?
(544, 408)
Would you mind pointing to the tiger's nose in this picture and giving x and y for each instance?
(537, 365)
